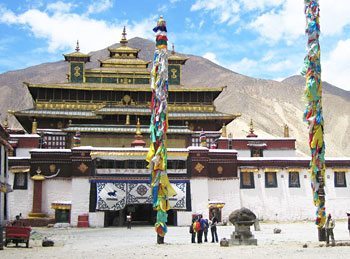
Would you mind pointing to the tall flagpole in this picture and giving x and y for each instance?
(313, 113)
(157, 155)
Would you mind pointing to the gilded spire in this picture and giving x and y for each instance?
(138, 127)
(224, 131)
(127, 121)
(124, 41)
(286, 131)
(77, 49)
(34, 126)
(251, 130)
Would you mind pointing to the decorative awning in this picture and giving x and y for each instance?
(20, 169)
(271, 170)
(216, 204)
(249, 169)
(61, 205)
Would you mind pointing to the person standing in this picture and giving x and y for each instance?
(330, 224)
(205, 231)
(200, 229)
(214, 234)
(192, 231)
(128, 220)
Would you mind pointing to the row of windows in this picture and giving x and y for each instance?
(136, 164)
(247, 180)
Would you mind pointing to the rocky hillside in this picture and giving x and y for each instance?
(269, 103)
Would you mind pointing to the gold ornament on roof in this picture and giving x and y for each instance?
(224, 131)
(138, 127)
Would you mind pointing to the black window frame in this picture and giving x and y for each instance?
(15, 180)
(294, 185)
(252, 181)
(267, 184)
(336, 183)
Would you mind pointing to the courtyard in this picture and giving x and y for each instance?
(140, 242)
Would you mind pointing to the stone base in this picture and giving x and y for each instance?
(242, 239)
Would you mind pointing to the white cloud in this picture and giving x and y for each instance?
(335, 68)
(62, 29)
(244, 66)
(226, 10)
(211, 56)
(288, 23)
(99, 6)
(59, 7)
(260, 4)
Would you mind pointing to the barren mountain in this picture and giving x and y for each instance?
(269, 103)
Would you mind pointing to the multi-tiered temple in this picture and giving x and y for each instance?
(104, 103)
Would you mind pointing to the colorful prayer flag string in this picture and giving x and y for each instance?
(157, 154)
(313, 113)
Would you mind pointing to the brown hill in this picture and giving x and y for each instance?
(269, 103)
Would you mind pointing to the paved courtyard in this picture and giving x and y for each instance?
(140, 242)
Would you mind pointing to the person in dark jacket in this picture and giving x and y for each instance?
(205, 231)
(193, 232)
(214, 234)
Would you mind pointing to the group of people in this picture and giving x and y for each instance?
(200, 228)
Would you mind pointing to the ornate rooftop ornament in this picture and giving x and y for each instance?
(124, 41)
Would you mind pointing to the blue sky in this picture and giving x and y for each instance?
(260, 38)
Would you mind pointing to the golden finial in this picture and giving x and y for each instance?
(172, 49)
(6, 123)
(127, 122)
(138, 127)
(77, 49)
(251, 126)
(38, 176)
(123, 41)
(286, 131)
(224, 131)
(69, 122)
(34, 126)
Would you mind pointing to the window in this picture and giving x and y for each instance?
(20, 181)
(256, 153)
(339, 179)
(294, 181)
(230, 144)
(270, 180)
(247, 180)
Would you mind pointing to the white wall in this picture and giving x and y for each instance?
(227, 191)
(97, 219)
(23, 152)
(20, 201)
(337, 198)
(200, 196)
(80, 198)
(56, 189)
(184, 218)
(279, 153)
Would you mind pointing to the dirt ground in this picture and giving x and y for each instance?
(140, 242)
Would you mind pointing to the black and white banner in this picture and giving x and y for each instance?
(114, 196)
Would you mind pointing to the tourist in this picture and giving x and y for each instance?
(202, 223)
(348, 214)
(330, 224)
(205, 231)
(214, 234)
(128, 221)
(192, 231)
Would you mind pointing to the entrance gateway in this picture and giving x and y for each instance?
(119, 198)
